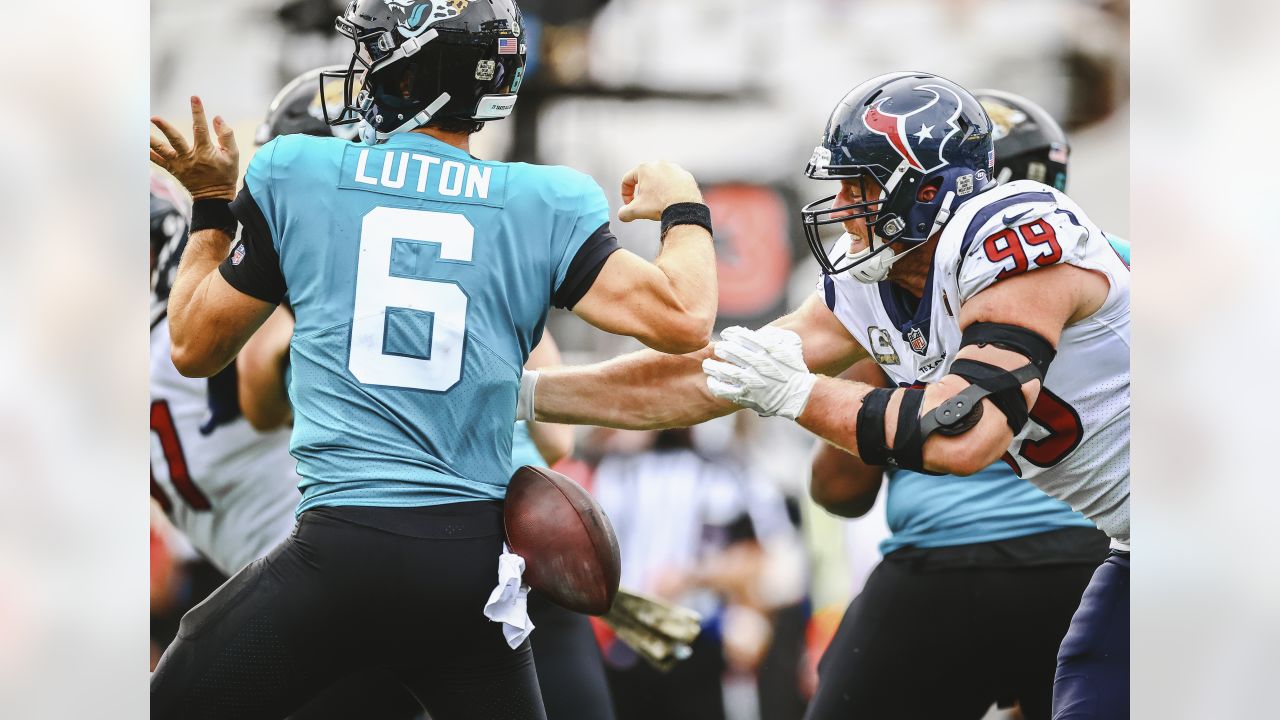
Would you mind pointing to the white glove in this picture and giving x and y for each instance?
(765, 371)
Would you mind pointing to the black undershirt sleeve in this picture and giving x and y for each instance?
(585, 267)
(253, 267)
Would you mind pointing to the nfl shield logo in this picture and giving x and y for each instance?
(919, 343)
(238, 255)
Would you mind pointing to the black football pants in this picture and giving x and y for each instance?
(930, 644)
(399, 591)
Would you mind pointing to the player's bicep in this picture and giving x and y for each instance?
(828, 347)
(1044, 302)
(585, 269)
(620, 298)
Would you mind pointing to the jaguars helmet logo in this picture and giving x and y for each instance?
(1003, 118)
(413, 17)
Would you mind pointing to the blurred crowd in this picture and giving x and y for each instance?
(716, 518)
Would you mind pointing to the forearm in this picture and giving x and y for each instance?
(832, 411)
(264, 398)
(687, 261)
(843, 484)
(553, 440)
(832, 414)
(196, 353)
(641, 390)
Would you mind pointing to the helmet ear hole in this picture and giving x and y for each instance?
(929, 190)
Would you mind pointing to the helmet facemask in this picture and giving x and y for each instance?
(902, 214)
(366, 53)
(885, 216)
(381, 68)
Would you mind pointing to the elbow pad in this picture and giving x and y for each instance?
(1002, 387)
(960, 413)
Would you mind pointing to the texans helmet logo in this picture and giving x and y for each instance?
(904, 122)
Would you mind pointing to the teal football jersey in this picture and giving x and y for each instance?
(1121, 246)
(421, 278)
(523, 450)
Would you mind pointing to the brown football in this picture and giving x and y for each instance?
(570, 551)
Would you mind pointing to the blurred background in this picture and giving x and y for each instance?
(73, 308)
(738, 94)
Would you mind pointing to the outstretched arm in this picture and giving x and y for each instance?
(647, 389)
(763, 372)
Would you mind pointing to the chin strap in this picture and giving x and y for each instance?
(372, 136)
(877, 268)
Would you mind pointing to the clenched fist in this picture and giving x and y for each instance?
(650, 187)
(206, 169)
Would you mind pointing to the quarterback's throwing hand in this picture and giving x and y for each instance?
(761, 369)
(650, 187)
(208, 167)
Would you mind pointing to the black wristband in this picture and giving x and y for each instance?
(213, 214)
(686, 213)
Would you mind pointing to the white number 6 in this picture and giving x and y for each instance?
(437, 365)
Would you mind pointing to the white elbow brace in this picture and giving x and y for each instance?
(524, 398)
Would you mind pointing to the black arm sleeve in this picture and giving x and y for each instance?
(253, 267)
(585, 267)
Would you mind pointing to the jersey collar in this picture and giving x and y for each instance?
(419, 140)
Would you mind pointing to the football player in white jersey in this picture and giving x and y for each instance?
(228, 487)
(1001, 312)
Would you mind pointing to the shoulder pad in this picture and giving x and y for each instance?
(1024, 226)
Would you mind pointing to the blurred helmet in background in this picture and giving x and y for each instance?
(452, 63)
(895, 134)
(299, 107)
(1030, 145)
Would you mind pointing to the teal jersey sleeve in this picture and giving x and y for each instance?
(1121, 246)
(258, 181)
(576, 205)
(590, 211)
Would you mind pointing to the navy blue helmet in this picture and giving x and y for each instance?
(423, 60)
(896, 134)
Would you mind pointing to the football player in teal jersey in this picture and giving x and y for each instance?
(420, 277)
(970, 559)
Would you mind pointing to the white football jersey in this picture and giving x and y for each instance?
(1076, 445)
(233, 492)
